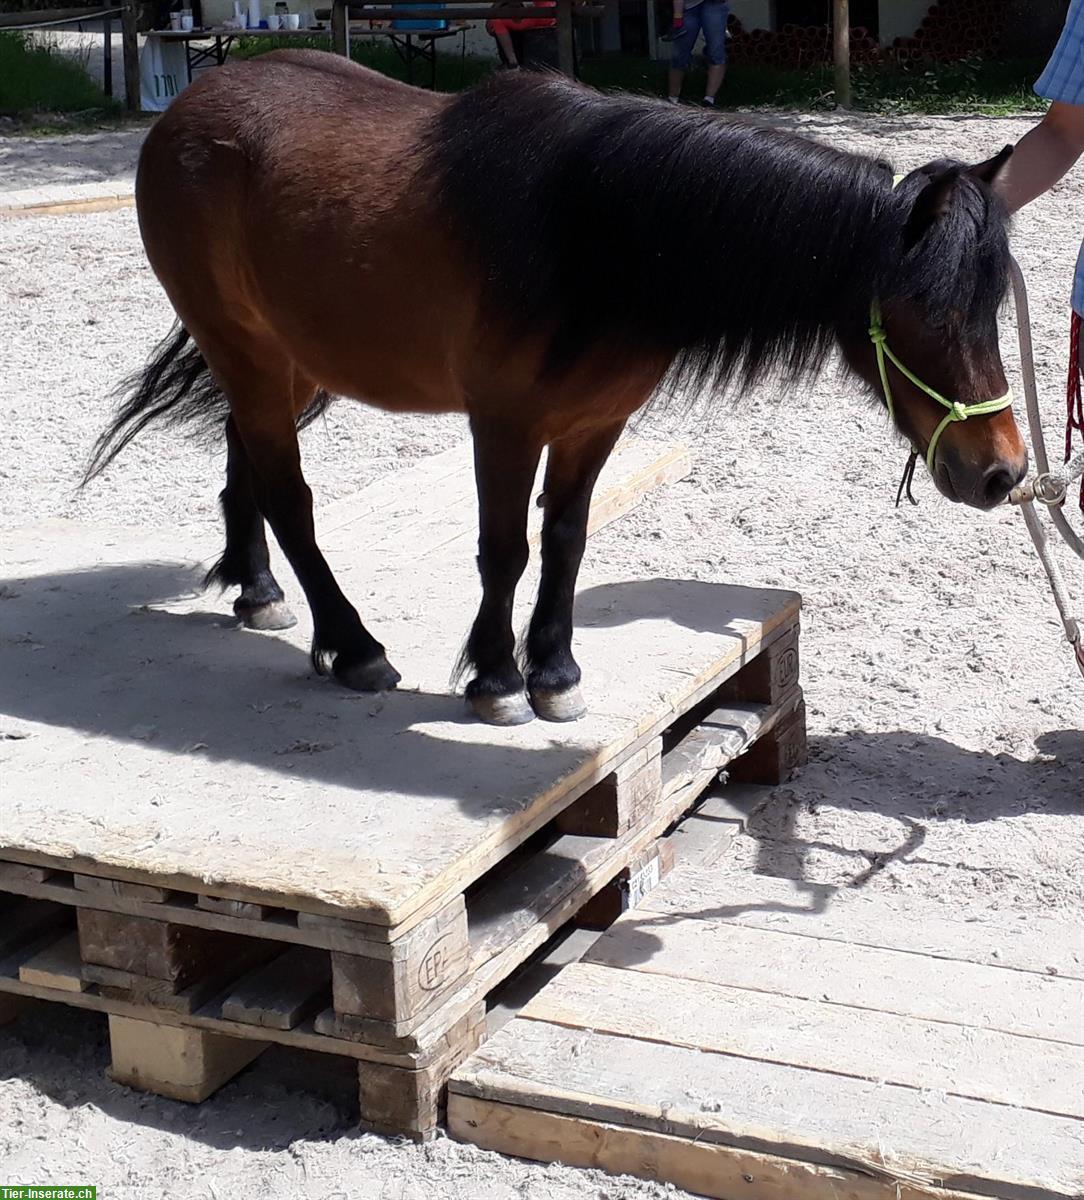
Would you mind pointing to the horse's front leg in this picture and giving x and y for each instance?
(505, 460)
(571, 472)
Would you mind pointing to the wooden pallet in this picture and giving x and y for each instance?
(744, 1036)
(261, 857)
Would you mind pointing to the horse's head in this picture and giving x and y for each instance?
(931, 351)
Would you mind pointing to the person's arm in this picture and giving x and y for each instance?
(1043, 156)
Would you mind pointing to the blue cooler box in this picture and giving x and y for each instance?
(402, 23)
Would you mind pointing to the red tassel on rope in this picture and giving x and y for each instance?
(1074, 401)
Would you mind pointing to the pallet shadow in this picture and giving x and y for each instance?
(881, 773)
(286, 1096)
(91, 651)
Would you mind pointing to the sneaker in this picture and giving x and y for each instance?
(707, 103)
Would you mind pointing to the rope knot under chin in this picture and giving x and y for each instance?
(877, 335)
(959, 411)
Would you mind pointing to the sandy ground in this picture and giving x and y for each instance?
(944, 712)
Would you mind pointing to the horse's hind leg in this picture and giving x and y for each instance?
(505, 460)
(245, 562)
(572, 469)
(260, 391)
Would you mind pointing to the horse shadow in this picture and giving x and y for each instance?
(99, 652)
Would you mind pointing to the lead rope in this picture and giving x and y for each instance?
(1048, 488)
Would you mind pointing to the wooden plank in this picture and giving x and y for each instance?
(880, 1129)
(909, 923)
(620, 801)
(976, 1063)
(771, 675)
(183, 1064)
(209, 1018)
(430, 509)
(705, 1168)
(10, 1008)
(283, 993)
(56, 966)
(166, 993)
(424, 967)
(628, 888)
(14, 875)
(139, 946)
(716, 741)
(243, 909)
(706, 835)
(889, 981)
(397, 1101)
(776, 755)
(149, 893)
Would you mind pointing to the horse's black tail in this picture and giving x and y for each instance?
(177, 388)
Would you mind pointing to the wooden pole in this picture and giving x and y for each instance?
(130, 48)
(566, 53)
(340, 29)
(841, 47)
(107, 57)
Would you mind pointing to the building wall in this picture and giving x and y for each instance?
(900, 18)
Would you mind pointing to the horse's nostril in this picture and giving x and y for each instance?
(997, 484)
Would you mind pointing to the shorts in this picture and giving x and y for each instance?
(708, 17)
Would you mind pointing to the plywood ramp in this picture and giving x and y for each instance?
(741, 1036)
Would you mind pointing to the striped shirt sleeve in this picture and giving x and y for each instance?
(1063, 78)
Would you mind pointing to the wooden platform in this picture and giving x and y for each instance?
(741, 1036)
(250, 853)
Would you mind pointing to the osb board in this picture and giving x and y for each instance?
(908, 1057)
(155, 741)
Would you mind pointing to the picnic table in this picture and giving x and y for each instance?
(211, 46)
(465, 10)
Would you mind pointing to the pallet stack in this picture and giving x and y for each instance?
(221, 853)
(955, 30)
(796, 46)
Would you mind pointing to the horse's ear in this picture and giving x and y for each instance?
(989, 170)
(932, 204)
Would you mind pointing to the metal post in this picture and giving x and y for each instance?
(130, 48)
(566, 54)
(841, 45)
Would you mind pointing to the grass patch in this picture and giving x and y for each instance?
(37, 77)
(454, 71)
(973, 86)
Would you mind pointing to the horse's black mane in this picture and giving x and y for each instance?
(735, 248)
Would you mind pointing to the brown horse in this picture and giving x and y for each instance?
(313, 222)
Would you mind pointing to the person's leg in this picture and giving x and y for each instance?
(501, 33)
(681, 51)
(714, 18)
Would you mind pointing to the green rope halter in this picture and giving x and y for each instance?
(956, 410)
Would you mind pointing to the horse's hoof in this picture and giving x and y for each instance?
(376, 675)
(274, 615)
(566, 705)
(502, 710)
